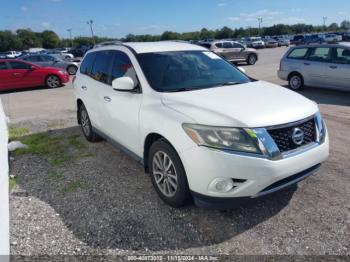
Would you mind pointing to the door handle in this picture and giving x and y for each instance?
(307, 64)
(107, 99)
(16, 74)
(333, 67)
(84, 87)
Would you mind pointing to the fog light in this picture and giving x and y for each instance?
(221, 185)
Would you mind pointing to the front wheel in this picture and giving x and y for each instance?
(53, 81)
(168, 174)
(252, 59)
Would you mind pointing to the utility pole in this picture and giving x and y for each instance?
(260, 20)
(70, 36)
(324, 21)
(90, 22)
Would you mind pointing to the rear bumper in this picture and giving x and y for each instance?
(283, 75)
(220, 203)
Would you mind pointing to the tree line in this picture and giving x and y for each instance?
(23, 39)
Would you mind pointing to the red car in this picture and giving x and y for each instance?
(18, 74)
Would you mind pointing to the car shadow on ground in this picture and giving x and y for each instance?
(326, 96)
(107, 201)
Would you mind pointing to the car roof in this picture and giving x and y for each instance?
(343, 44)
(153, 47)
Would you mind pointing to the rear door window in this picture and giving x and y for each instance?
(298, 53)
(218, 45)
(319, 54)
(227, 45)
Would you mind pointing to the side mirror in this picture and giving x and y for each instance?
(123, 84)
(241, 69)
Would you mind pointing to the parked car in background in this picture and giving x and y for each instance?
(4, 188)
(270, 43)
(193, 122)
(52, 61)
(12, 54)
(18, 74)
(297, 40)
(63, 55)
(283, 41)
(233, 51)
(326, 65)
(312, 39)
(332, 38)
(255, 42)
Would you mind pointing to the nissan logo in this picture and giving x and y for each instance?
(298, 136)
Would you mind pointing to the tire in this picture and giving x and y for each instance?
(53, 81)
(170, 182)
(252, 58)
(72, 70)
(295, 81)
(86, 126)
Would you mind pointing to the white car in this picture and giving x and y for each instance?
(12, 54)
(4, 187)
(201, 128)
(255, 42)
(332, 38)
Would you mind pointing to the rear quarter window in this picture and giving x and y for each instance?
(298, 53)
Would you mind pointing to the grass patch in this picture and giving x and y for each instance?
(43, 144)
(71, 187)
(53, 175)
(16, 132)
(13, 182)
(75, 142)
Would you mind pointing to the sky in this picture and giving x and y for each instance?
(117, 18)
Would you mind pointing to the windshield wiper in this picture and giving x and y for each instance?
(229, 84)
(183, 89)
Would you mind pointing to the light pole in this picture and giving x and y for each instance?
(70, 36)
(324, 21)
(260, 20)
(90, 22)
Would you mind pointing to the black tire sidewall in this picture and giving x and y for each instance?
(72, 66)
(59, 81)
(248, 61)
(301, 80)
(90, 136)
(182, 195)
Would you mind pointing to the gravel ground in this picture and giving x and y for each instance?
(104, 204)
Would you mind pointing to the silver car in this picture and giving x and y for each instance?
(52, 61)
(233, 51)
(322, 65)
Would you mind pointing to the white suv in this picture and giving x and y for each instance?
(201, 128)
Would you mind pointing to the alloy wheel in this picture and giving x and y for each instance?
(85, 122)
(164, 173)
(53, 81)
(295, 82)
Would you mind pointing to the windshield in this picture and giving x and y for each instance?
(188, 70)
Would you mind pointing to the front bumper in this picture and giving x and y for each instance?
(254, 174)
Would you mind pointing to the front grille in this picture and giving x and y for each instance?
(283, 136)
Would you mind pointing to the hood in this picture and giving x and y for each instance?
(254, 104)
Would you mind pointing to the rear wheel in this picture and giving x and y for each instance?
(168, 174)
(86, 126)
(53, 81)
(296, 81)
(252, 58)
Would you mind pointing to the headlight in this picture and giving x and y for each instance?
(321, 128)
(61, 72)
(224, 138)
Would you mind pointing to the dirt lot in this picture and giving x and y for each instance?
(71, 197)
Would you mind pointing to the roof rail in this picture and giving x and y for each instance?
(116, 42)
